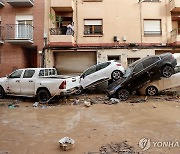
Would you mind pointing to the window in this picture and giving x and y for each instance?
(101, 66)
(93, 27)
(24, 28)
(148, 62)
(28, 73)
(138, 68)
(152, 27)
(16, 74)
(47, 72)
(89, 71)
(116, 58)
(131, 60)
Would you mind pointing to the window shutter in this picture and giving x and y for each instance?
(24, 17)
(92, 22)
(152, 26)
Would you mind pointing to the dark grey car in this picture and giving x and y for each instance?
(138, 73)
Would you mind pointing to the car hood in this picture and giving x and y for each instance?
(3, 79)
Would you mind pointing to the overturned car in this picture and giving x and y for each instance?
(140, 72)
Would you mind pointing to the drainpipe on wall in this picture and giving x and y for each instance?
(140, 13)
(43, 61)
(76, 22)
(166, 3)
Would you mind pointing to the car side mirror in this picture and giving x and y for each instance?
(82, 76)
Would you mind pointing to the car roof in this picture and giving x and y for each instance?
(142, 59)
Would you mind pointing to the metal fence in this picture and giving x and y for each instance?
(175, 32)
(60, 31)
(19, 31)
(1, 32)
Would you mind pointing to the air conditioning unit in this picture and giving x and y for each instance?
(115, 38)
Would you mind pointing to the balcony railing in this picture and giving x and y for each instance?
(17, 32)
(21, 3)
(61, 35)
(175, 35)
(175, 32)
(60, 31)
(2, 3)
(1, 34)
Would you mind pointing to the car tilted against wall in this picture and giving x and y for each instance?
(140, 72)
(100, 73)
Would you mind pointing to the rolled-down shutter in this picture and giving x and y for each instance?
(152, 27)
(74, 62)
(92, 22)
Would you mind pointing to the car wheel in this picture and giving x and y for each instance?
(116, 75)
(2, 93)
(167, 71)
(123, 94)
(43, 96)
(151, 91)
(79, 91)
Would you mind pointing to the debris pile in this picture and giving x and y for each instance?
(118, 148)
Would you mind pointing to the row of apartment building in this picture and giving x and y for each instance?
(33, 32)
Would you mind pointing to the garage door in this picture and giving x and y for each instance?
(73, 62)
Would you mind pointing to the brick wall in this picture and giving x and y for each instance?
(16, 56)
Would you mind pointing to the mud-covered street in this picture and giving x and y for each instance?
(36, 130)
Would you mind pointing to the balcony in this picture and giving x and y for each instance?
(62, 5)
(58, 36)
(19, 34)
(175, 36)
(21, 3)
(1, 35)
(2, 3)
(174, 5)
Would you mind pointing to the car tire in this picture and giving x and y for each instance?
(79, 91)
(123, 94)
(2, 92)
(151, 91)
(116, 75)
(167, 71)
(43, 96)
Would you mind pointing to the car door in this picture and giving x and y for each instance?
(151, 66)
(102, 71)
(27, 82)
(88, 77)
(14, 82)
(139, 77)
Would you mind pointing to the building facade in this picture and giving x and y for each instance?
(21, 34)
(109, 29)
(34, 33)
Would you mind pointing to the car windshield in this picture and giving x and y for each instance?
(127, 72)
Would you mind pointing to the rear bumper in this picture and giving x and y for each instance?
(69, 91)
